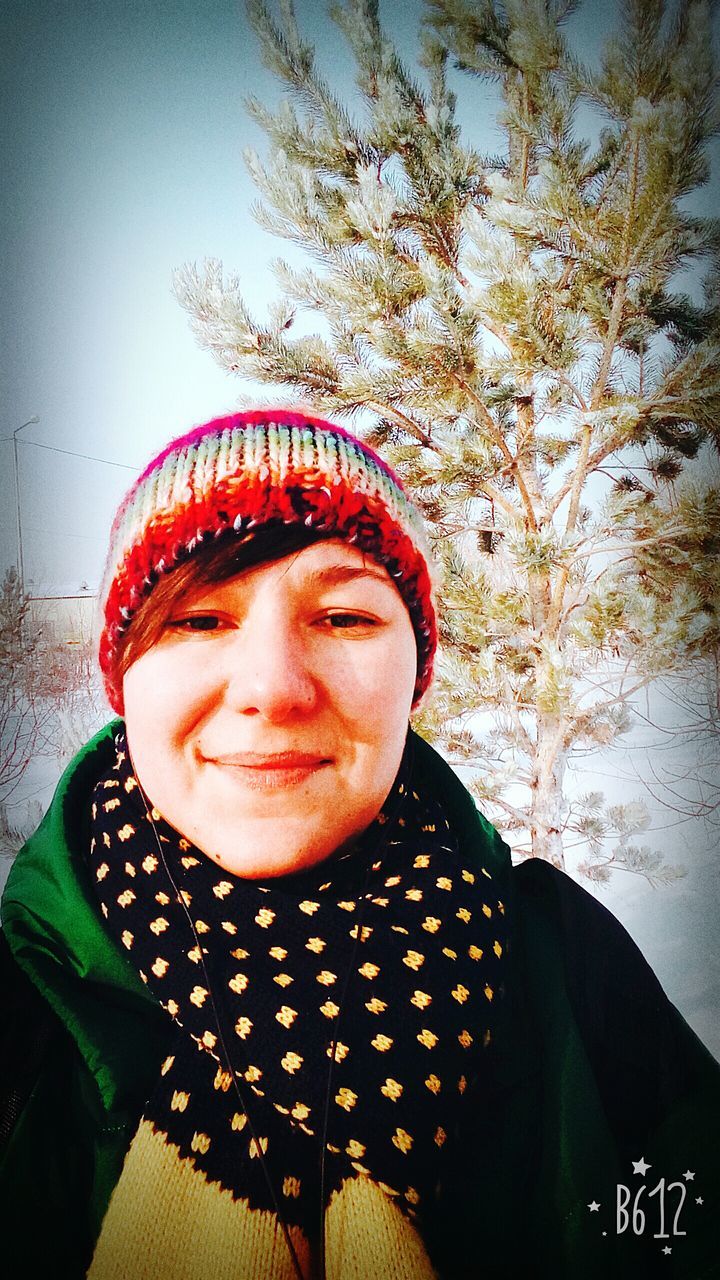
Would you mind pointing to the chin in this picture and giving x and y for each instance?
(265, 860)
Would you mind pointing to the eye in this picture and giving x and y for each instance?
(344, 620)
(196, 622)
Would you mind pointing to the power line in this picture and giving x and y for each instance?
(34, 444)
(85, 595)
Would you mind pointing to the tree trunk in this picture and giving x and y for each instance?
(547, 804)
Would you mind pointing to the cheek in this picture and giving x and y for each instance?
(159, 716)
(373, 687)
(161, 703)
(138, 698)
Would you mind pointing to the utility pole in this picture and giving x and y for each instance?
(18, 516)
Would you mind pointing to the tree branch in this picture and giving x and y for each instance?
(499, 441)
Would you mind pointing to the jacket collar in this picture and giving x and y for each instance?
(56, 933)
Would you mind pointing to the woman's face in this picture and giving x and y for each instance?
(268, 721)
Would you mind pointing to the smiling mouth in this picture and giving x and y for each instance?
(267, 771)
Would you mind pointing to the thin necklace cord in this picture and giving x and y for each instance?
(372, 856)
(228, 1061)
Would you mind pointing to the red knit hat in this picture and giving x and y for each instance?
(234, 474)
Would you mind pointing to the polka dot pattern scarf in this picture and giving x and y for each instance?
(346, 1006)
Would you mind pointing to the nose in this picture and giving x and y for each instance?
(269, 672)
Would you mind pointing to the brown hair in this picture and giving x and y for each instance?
(219, 560)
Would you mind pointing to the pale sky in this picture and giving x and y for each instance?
(124, 130)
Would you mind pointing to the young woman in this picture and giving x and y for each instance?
(279, 1006)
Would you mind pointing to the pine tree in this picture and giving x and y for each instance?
(508, 329)
(15, 642)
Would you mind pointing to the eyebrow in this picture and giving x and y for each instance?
(323, 576)
(336, 574)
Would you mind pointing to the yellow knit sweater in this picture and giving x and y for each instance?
(165, 1221)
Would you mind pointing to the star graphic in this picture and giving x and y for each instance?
(688, 1176)
(639, 1166)
(699, 1200)
(594, 1206)
(667, 1249)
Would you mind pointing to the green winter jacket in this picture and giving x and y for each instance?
(593, 1070)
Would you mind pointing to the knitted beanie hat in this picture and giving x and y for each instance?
(234, 474)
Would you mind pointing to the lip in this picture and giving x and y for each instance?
(262, 771)
(270, 759)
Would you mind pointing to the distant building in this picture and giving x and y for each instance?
(64, 619)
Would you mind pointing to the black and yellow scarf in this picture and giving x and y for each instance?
(345, 1008)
